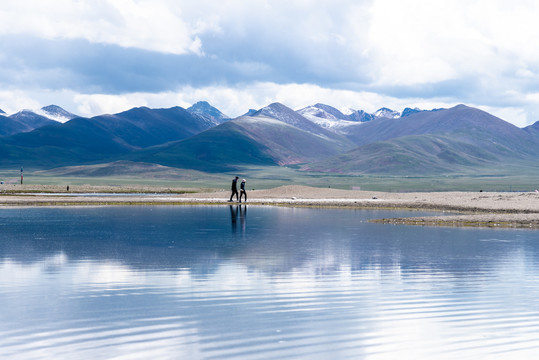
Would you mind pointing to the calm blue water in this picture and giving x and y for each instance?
(261, 283)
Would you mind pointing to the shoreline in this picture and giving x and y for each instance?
(474, 209)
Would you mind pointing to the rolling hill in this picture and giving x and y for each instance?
(23, 121)
(222, 148)
(10, 126)
(143, 127)
(410, 155)
(104, 137)
(460, 118)
(319, 139)
(248, 140)
(444, 141)
(28, 120)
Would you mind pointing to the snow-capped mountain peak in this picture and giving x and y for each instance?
(387, 113)
(56, 113)
(291, 117)
(208, 112)
(313, 111)
(328, 117)
(347, 111)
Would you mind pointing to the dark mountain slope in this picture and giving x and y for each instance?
(77, 141)
(142, 127)
(219, 149)
(288, 144)
(31, 120)
(23, 121)
(244, 141)
(101, 138)
(10, 126)
(27, 120)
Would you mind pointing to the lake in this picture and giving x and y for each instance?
(230, 282)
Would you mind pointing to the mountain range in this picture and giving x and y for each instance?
(318, 138)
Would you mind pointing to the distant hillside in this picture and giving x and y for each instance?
(444, 141)
(118, 168)
(101, 138)
(410, 155)
(9, 126)
(457, 119)
(78, 141)
(222, 148)
(318, 138)
(533, 129)
(257, 140)
(142, 127)
(288, 144)
(28, 120)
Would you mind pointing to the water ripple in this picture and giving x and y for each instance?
(290, 292)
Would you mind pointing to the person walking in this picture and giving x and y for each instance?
(234, 189)
(242, 190)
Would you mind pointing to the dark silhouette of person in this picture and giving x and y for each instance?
(242, 190)
(234, 189)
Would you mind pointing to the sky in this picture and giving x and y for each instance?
(105, 56)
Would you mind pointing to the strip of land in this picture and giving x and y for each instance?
(492, 209)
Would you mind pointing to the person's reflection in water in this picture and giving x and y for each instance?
(243, 216)
(234, 216)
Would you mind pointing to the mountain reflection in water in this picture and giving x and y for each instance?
(206, 282)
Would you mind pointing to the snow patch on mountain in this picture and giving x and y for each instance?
(329, 118)
(55, 113)
(208, 112)
(314, 112)
(347, 111)
(289, 116)
(261, 120)
(329, 122)
(387, 113)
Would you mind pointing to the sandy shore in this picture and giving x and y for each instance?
(467, 208)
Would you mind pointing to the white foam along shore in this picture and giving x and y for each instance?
(499, 209)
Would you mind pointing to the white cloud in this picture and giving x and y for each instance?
(153, 25)
(16, 100)
(421, 41)
(237, 101)
(360, 54)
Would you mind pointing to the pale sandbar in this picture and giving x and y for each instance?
(493, 209)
